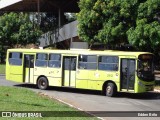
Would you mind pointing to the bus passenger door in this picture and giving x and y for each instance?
(28, 68)
(127, 74)
(69, 71)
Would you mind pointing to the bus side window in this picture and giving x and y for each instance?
(15, 58)
(41, 60)
(109, 63)
(54, 60)
(87, 62)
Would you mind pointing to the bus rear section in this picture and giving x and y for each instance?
(20, 66)
(14, 66)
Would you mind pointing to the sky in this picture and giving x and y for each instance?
(4, 3)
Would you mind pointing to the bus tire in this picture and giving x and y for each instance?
(42, 83)
(110, 89)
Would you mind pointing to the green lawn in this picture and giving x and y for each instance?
(2, 69)
(21, 99)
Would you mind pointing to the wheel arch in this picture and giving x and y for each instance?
(40, 77)
(105, 83)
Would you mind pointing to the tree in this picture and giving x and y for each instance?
(115, 22)
(48, 22)
(70, 17)
(16, 28)
(146, 34)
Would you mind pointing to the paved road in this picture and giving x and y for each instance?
(95, 101)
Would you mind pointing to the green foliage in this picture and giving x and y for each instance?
(2, 68)
(105, 21)
(120, 22)
(16, 28)
(146, 34)
(48, 22)
(70, 17)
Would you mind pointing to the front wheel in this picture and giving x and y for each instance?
(110, 90)
(42, 83)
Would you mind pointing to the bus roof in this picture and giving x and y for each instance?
(81, 51)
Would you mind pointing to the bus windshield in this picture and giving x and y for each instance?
(145, 67)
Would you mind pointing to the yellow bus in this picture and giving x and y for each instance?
(108, 71)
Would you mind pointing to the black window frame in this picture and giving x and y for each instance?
(41, 62)
(107, 65)
(85, 63)
(54, 61)
(148, 74)
(15, 60)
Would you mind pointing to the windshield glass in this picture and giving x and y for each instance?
(145, 67)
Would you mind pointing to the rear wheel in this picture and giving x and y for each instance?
(42, 83)
(110, 90)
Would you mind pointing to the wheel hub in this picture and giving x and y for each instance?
(42, 83)
(108, 89)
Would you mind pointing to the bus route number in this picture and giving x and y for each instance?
(109, 75)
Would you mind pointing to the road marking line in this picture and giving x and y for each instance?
(77, 108)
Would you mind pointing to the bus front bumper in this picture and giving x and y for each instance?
(144, 87)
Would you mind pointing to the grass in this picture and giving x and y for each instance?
(21, 99)
(2, 69)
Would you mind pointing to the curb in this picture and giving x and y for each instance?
(70, 105)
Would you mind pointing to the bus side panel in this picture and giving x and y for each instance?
(54, 76)
(109, 75)
(16, 73)
(138, 88)
(13, 73)
(54, 81)
(82, 79)
(7, 68)
(39, 71)
(92, 81)
(7, 73)
(96, 80)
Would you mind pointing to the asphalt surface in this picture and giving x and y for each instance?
(99, 105)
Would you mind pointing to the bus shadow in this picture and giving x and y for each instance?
(27, 86)
(76, 90)
(63, 89)
(143, 96)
